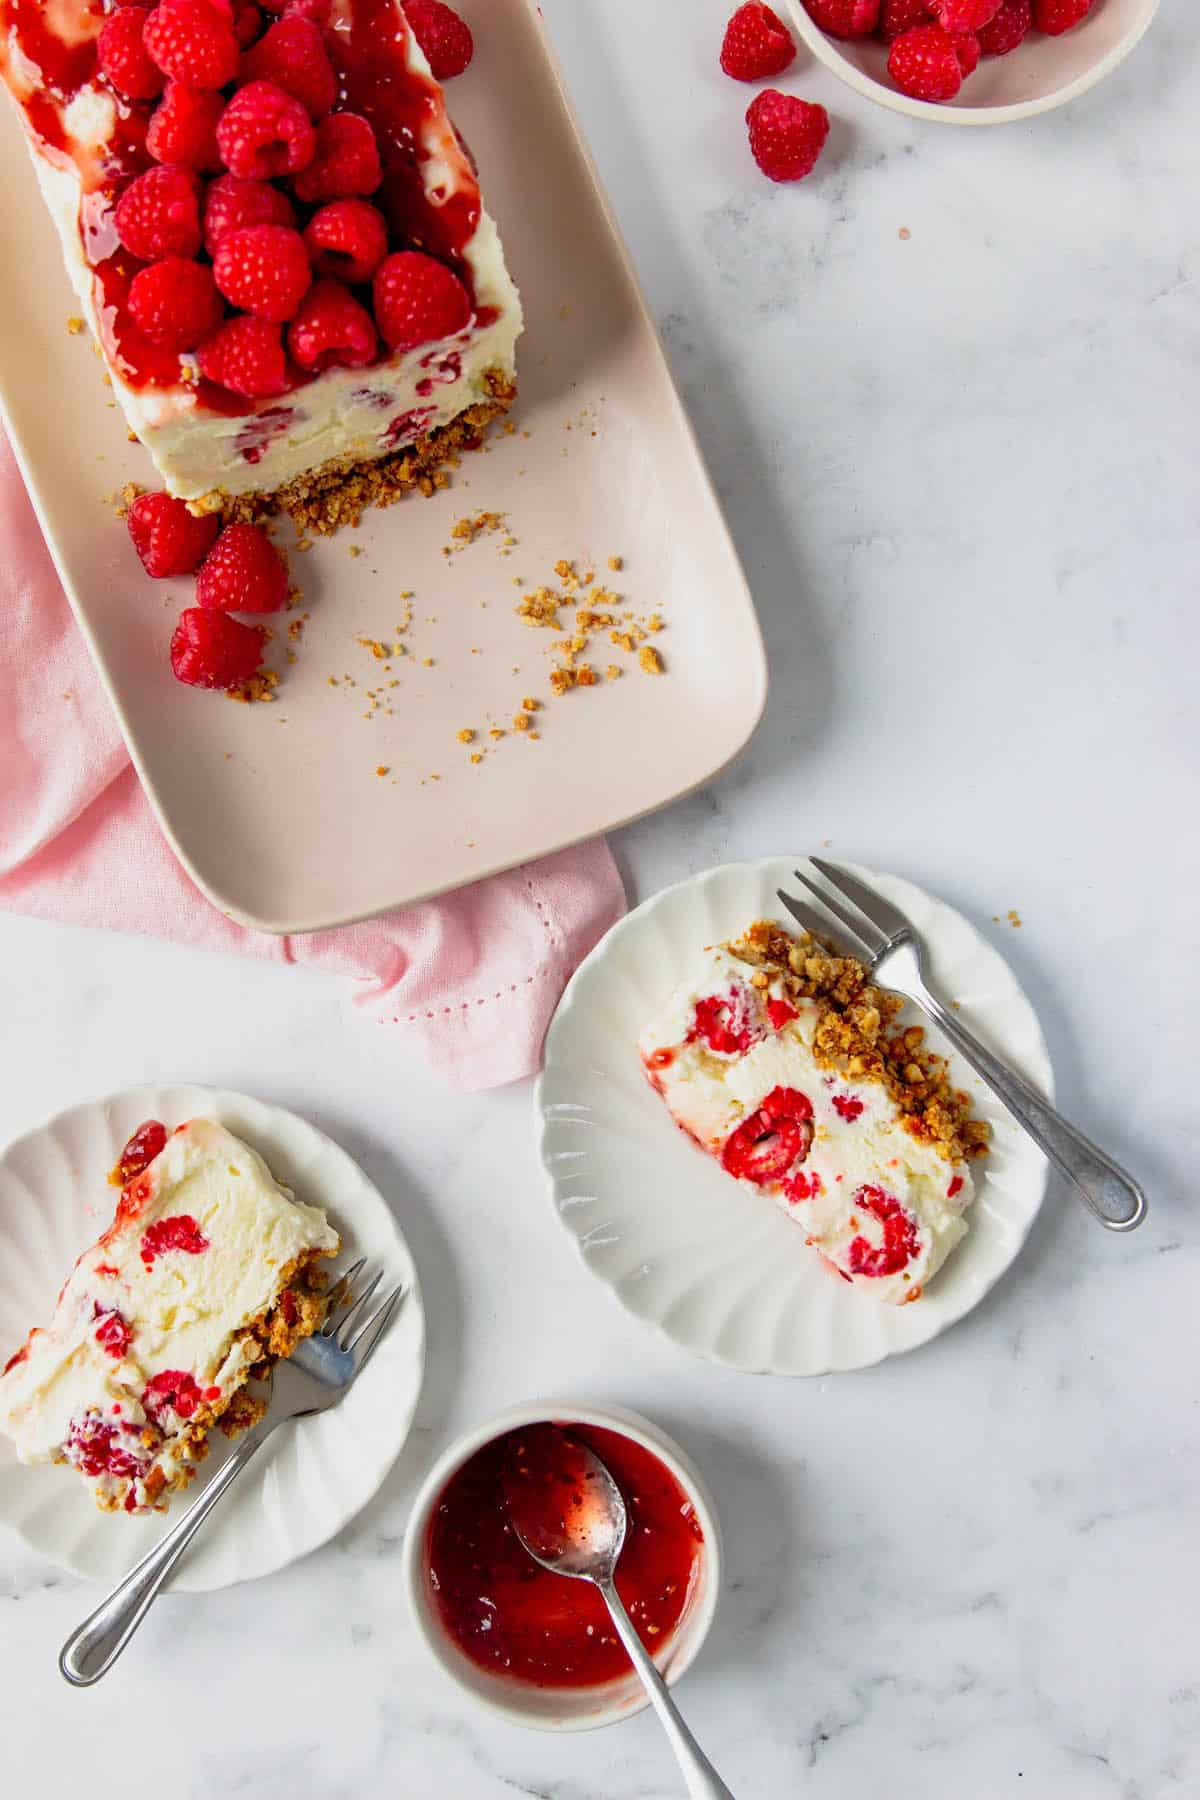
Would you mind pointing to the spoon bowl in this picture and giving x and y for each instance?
(564, 1505)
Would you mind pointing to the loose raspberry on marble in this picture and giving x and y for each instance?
(183, 128)
(246, 356)
(192, 41)
(964, 15)
(896, 16)
(757, 44)
(331, 330)
(243, 572)
(178, 1233)
(124, 59)
(345, 160)
(443, 36)
(418, 300)
(211, 650)
(901, 1239)
(247, 23)
(1010, 27)
(1056, 16)
(264, 132)
(924, 63)
(844, 18)
(967, 50)
(787, 135)
(291, 53)
(347, 240)
(175, 303)
(232, 204)
(263, 269)
(169, 540)
(159, 213)
(764, 1146)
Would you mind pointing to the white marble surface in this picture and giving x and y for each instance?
(963, 471)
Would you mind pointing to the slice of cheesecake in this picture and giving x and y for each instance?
(362, 329)
(209, 1273)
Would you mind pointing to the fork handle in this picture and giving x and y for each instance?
(92, 1650)
(1106, 1189)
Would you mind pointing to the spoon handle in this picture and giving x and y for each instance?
(703, 1782)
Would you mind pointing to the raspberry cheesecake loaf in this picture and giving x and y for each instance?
(783, 1062)
(209, 1273)
(277, 236)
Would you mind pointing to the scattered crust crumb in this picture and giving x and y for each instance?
(521, 721)
(74, 325)
(650, 660)
(466, 735)
(383, 769)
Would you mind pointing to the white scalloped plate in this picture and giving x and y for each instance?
(312, 1476)
(681, 1245)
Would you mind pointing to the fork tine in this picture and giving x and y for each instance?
(806, 916)
(377, 1324)
(360, 1300)
(882, 914)
(344, 1283)
(867, 937)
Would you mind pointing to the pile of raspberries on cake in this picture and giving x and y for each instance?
(934, 46)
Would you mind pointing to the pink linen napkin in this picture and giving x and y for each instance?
(475, 975)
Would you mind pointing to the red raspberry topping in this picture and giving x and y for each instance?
(174, 1389)
(243, 572)
(263, 269)
(964, 15)
(147, 1142)
(183, 128)
(966, 48)
(192, 41)
(247, 23)
(159, 214)
(418, 300)
(175, 303)
(924, 63)
(345, 161)
(246, 356)
(331, 329)
(347, 240)
(1009, 28)
(786, 135)
(780, 1014)
(757, 44)
(170, 541)
(848, 1107)
(123, 57)
(764, 1146)
(896, 16)
(901, 1239)
(211, 650)
(1056, 16)
(232, 204)
(845, 18)
(443, 36)
(725, 1024)
(112, 1333)
(956, 1187)
(265, 132)
(180, 1232)
(291, 53)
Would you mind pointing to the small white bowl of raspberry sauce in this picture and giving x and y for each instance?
(1040, 74)
(537, 1647)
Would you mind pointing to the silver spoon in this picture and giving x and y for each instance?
(570, 1515)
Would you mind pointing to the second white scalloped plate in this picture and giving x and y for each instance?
(313, 1475)
(689, 1251)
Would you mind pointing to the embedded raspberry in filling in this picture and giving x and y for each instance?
(780, 1014)
(901, 1239)
(112, 1333)
(847, 1107)
(94, 1448)
(803, 1187)
(956, 1187)
(175, 1389)
(178, 1233)
(725, 1024)
(764, 1146)
(145, 1144)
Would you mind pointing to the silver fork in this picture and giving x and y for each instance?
(316, 1375)
(878, 933)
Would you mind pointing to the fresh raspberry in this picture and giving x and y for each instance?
(183, 128)
(418, 300)
(443, 36)
(243, 572)
(291, 53)
(848, 1107)
(178, 1233)
(901, 1238)
(757, 44)
(265, 132)
(725, 1023)
(896, 16)
(346, 160)
(123, 57)
(767, 1143)
(347, 239)
(159, 214)
(192, 41)
(246, 356)
(263, 269)
(924, 63)
(964, 15)
(247, 23)
(786, 135)
(211, 650)
(966, 48)
(1056, 16)
(1009, 28)
(175, 303)
(113, 1332)
(232, 204)
(167, 537)
(331, 330)
(844, 18)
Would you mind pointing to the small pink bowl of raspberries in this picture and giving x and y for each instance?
(972, 62)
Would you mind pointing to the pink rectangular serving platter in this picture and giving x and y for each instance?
(276, 810)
